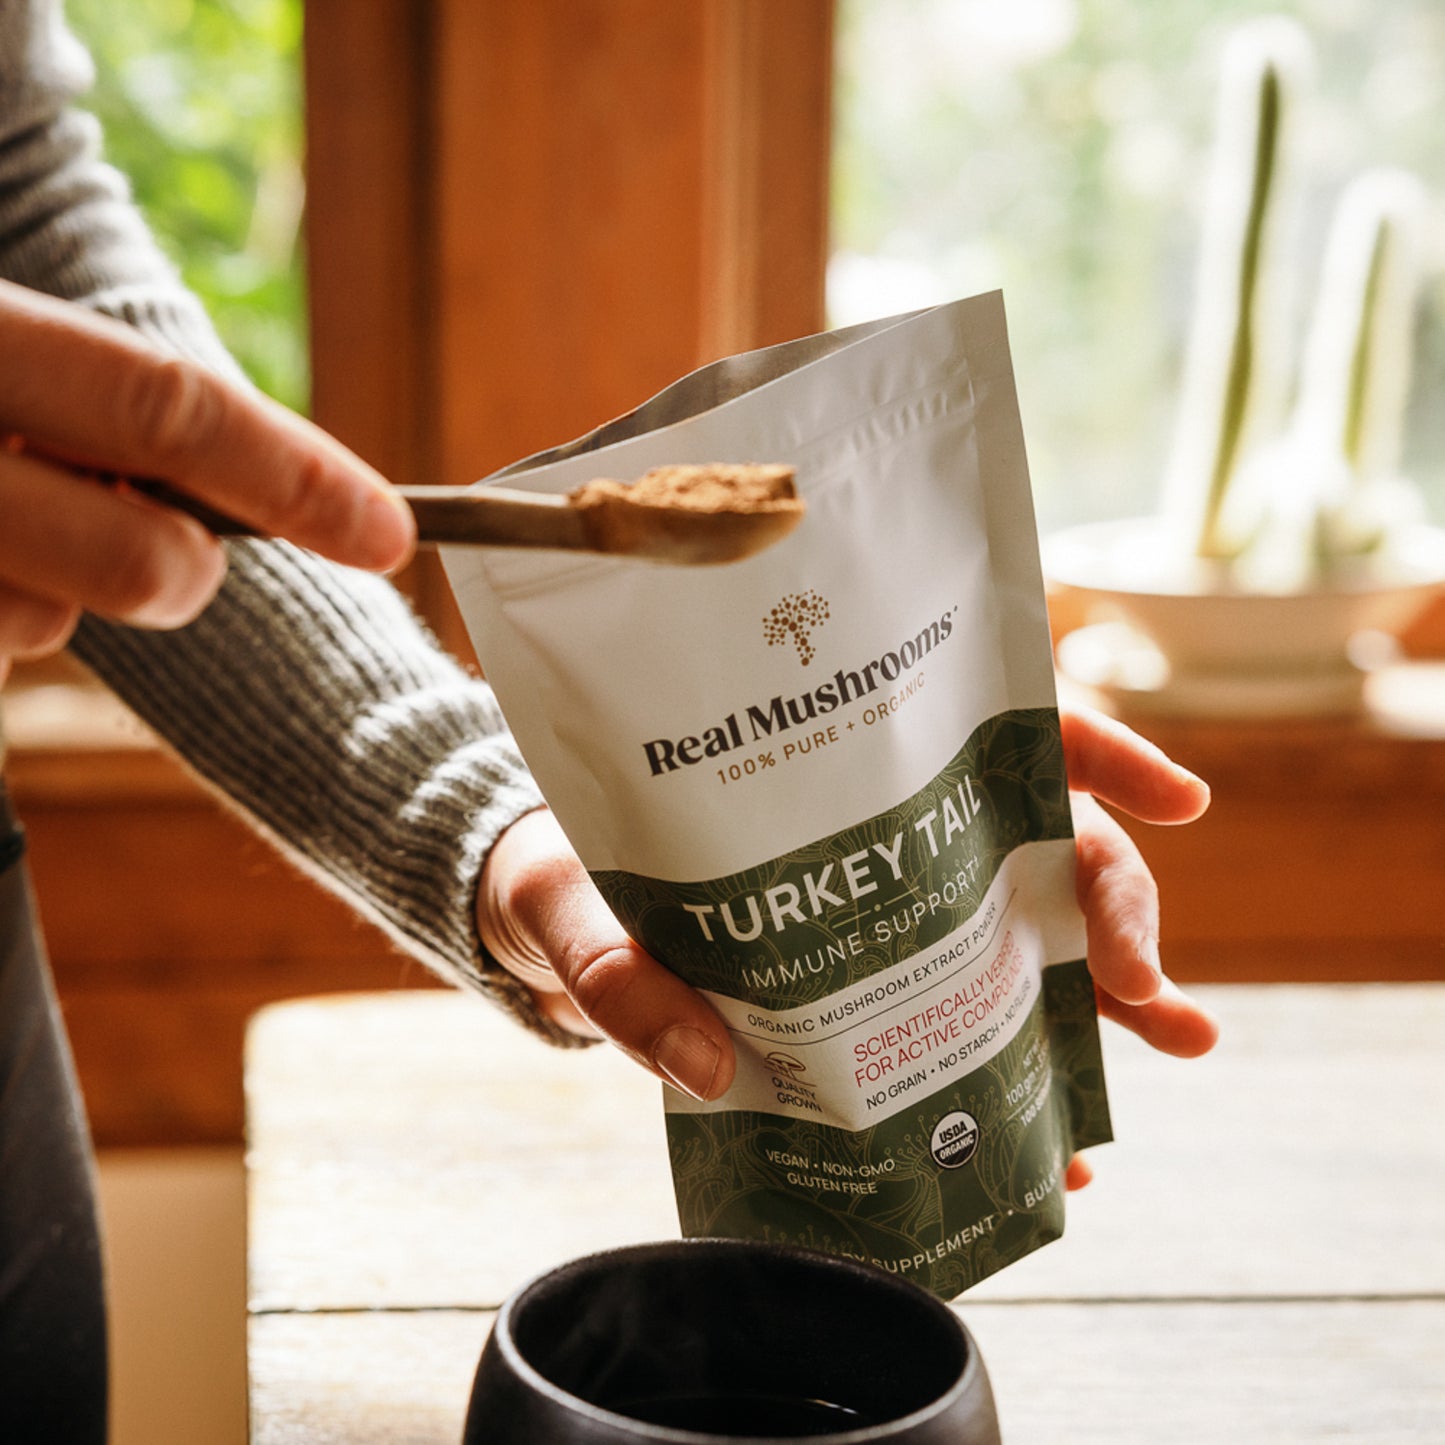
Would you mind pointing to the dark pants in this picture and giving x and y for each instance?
(52, 1310)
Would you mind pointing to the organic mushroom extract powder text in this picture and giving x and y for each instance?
(825, 785)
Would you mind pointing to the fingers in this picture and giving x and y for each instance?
(542, 917)
(1120, 902)
(32, 626)
(1121, 911)
(1170, 1022)
(1116, 890)
(1113, 762)
(96, 394)
(69, 544)
(1078, 1172)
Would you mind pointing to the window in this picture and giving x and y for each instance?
(201, 105)
(1056, 148)
(1051, 147)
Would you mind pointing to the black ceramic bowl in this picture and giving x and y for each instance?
(714, 1340)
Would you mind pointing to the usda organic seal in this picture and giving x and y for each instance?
(955, 1139)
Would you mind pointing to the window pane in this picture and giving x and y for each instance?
(201, 105)
(1056, 148)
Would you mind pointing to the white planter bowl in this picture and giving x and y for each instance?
(1171, 633)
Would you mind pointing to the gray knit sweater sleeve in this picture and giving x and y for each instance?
(308, 694)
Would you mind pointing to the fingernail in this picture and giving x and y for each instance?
(1149, 953)
(1152, 980)
(689, 1058)
(1193, 779)
(385, 528)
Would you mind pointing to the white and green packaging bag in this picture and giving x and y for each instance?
(825, 785)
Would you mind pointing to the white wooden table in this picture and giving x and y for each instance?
(1261, 1257)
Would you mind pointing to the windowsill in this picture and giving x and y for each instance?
(1318, 859)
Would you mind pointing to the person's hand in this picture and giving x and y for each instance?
(542, 918)
(81, 393)
(1108, 761)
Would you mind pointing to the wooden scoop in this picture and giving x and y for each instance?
(693, 515)
(688, 514)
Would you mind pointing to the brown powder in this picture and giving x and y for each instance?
(712, 487)
(712, 513)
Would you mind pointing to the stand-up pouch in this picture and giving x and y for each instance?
(825, 785)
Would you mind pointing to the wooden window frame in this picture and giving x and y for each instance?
(527, 216)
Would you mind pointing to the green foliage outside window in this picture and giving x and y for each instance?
(200, 101)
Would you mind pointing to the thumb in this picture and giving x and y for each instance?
(541, 916)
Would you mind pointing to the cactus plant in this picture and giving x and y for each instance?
(1279, 503)
(1235, 376)
(1355, 376)
(1286, 532)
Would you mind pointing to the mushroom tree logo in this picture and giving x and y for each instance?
(796, 617)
